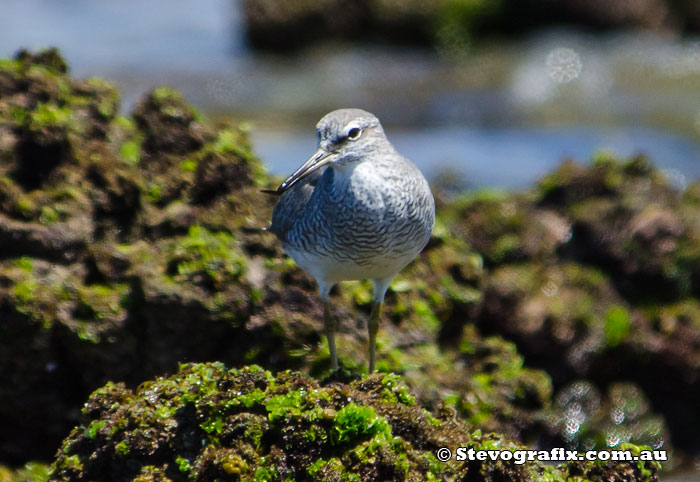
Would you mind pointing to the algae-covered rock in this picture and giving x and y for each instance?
(134, 255)
(449, 25)
(29, 472)
(582, 418)
(207, 422)
(627, 218)
(119, 235)
(617, 298)
(133, 243)
(593, 273)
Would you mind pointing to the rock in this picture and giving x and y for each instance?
(206, 422)
(168, 124)
(142, 246)
(82, 279)
(580, 415)
(450, 25)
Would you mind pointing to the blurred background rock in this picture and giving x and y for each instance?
(497, 91)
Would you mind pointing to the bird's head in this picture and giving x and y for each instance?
(345, 136)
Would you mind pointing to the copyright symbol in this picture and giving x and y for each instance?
(444, 454)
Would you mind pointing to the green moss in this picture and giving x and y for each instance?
(188, 165)
(24, 291)
(154, 193)
(108, 98)
(354, 422)
(396, 390)
(97, 302)
(646, 467)
(49, 215)
(214, 256)
(10, 65)
(122, 448)
(332, 432)
(164, 94)
(252, 399)
(548, 473)
(130, 151)
(280, 407)
(265, 474)
(617, 325)
(234, 141)
(73, 462)
(426, 314)
(26, 206)
(94, 428)
(126, 123)
(183, 465)
(30, 472)
(24, 263)
(227, 141)
(360, 292)
(254, 432)
(50, 114)
(18, 115)
(151, 473)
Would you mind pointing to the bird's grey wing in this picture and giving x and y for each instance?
(292, 203)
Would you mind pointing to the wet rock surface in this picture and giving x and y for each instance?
(206, 422)
(133, 243)
(99, 214)
(618, 300)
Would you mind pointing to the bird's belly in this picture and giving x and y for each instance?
(331, 269)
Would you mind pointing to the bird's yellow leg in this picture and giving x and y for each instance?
(373, 326)
(330, 334)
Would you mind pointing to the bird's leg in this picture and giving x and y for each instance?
(330, 333)
(373, 326)
(380, 287)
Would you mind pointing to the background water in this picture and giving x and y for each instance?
(494, 115)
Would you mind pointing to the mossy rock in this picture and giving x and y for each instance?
(29, 472)
(209, 422)
(583, 418)
(133, 252)
(507, 228)
(627, 219)
(106, 198)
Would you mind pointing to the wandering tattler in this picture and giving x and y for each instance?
(357, 209)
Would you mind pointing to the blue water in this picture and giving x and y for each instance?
(501, 116)
(505, 157)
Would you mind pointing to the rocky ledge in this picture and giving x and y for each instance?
(209, 423)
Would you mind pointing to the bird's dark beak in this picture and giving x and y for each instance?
(320, 159)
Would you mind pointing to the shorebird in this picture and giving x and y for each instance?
(355, 210)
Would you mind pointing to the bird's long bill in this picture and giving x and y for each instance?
(320, 158)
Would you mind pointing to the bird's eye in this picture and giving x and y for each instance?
(354, 133)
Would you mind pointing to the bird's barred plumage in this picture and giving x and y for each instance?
(365, 214)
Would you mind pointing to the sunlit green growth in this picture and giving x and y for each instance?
(207, 257)
(355, 422)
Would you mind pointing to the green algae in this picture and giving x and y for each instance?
(214, 256)
(617, 325)
(355, 422)
(131, 151)
(366, 435)
(29, 472)
(145, 289)
(396, 390)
